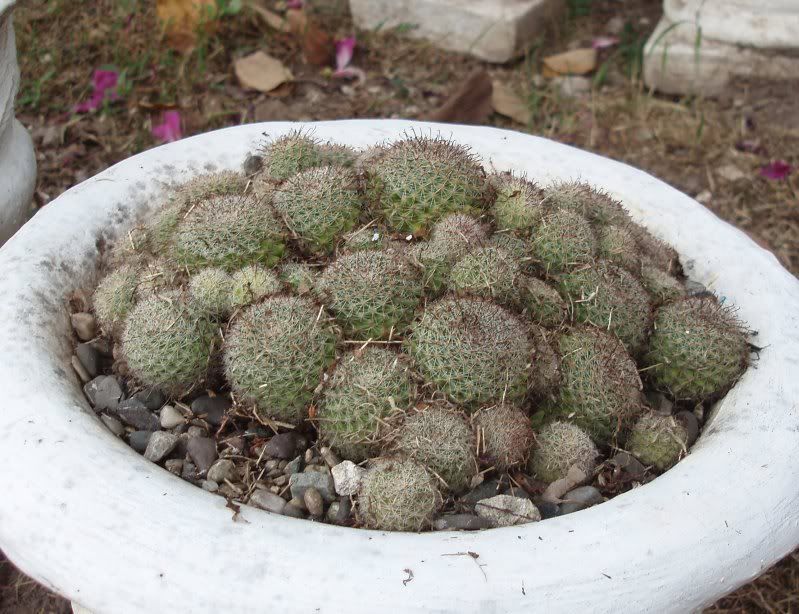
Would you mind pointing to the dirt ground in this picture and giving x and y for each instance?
(713, 150)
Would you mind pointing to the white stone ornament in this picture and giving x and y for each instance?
(129, 536)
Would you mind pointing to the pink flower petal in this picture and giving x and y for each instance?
(294, 4)
(603, 42)
(344, 50)
(104, 83)
(169, 128)
(779, 169)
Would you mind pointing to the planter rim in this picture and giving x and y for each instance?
(86, 515)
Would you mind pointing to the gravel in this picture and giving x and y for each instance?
(300, 482)
(485, 490)
(202, 451)
(85, 325)
(212, 409)
(293, 511)
(174, 465)
(347, 477)
(89, 357)
(506, 511)
(294, 466)
(579, 499)
(631, 466)
(114, 425)
(209, 485)
(460, 522)
(133, 413)
(221, 470)
(171, 417)
(267, 501)
(138, 440)
(104, 392)
(286, 445)
(152, 398)
(160, 445)
(314, 502)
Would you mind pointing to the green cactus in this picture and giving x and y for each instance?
(158, 276)
(656, 251)
(290, 154)
(372, 293)
(228, 231)
(560, 446)
(210, 291)
(252, 283)
(661, 286)
(600, 390)
(698, 349)
(417, 181)
(563, 240)
(596, 206)
(398, 494)
(517, 247)
(300, 276)
(366, 389)
(545, 376)
(367, 237)
(658, 440)
(275, 353)
(167, 345)
(440, 438)
(519, 203)
(541, 302)
(505, 436)
(617, 244)
(318, 205)
(114, 297)
(473, 350)
(338, 155)
(611, 298)
(490, 272)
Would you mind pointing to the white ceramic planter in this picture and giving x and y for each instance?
(17, 162)
(84, 514)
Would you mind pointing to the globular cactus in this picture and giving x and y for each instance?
(490, 272)
(541, 302)
(473, 350)
(372, 293)
(114, 297)
(158, 276)
(299, 276)
(617, 244)
(656, 251)
(698, 349)
(417, 181)
(228, 231)
(600, 389)
(545, 374)
(367, 237)
(367, 388)
(661, 286)
(563, 240)
(517, 247)
(210, 291)
(612, 298)
(596, 206)
(274, 355)
(519, 203)
(560, 446)
(167, 344)
(252, 283)
(318, 205)
(505, 436)
(440, 438)
(398, 494)
(290, 154)
(338, 155)
(658, 440)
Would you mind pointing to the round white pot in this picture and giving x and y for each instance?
(17, 161)
(86, 515)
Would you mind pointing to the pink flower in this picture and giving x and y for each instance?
(603, 42)
(294, 4)
(169, 128)
(779, 169)
(104, 83)
(344, 50)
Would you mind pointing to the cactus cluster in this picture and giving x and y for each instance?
(429, 321)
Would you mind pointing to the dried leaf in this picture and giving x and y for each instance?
(182, 18)
(272, 19)
(317, 45)
(508, 103)
(576, 62)
(261, 72)
(469, 104)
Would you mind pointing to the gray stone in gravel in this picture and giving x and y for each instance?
(286, 445)
(89, 357)
(630, 465)
(114, 425)
(174, 465)
(293, 511)
(548, 509)
(580, 499)
(189, 471)
(209, 485)
(82, 373)
(202, 450)
(347, 476)
(344, 511)
(332, 512)
(314, 502)
(460, 522)
(212, 409)
(133, 413)
(104, 392)
(160, 445)
(138, 440)
(483, 491)
(152, 398)
(267, 501)
(252, 164)
(85, 325)
(330, 457)
(294, 466)
(323, 482)
(694, 288)
(171, 417)
(506, 511)
(691, 424)
(196, 431)
(221, 470)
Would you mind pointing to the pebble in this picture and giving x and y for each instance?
(344, 511)
(661, 404)
(222, 470)
(267, 501)
(138, 440)
(286, 445)
(281, 480)
(294, 466)
(133, 413)
(300, 503)
(309, 456)
(483, 491)
(691, 424)
(332, 512)
(347, 477)
(314, 503)
(212, 409)
(160, 445)
(196, 431)
(694, 288)
(85, 325)
(89, 357)
(293, 511)
(506, 511)
(174, 465)
(252, 164)
(630, 465)
(80, 370)
(104, 392)
(209, 485)
(547, 509)
(460, 522)
(152, 398)
(572, 86)
(171, 417)
(322, 482)
(114, 425)
(330, 457)
(580, 499)
(272, 465)
(189, 471)
(202, 450)
(237, 444)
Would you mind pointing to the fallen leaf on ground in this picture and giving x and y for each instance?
(469, 104)
(182, 18)
(777, 170)
(272, 19)
(507, 102)
(104, 84)
(169, 128)
(261, 72)
(317, 45)
(576, 62)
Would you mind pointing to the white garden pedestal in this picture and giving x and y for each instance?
(699, 46)
(87, 516)
(17, 162)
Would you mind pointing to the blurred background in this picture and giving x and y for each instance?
(105, 79)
